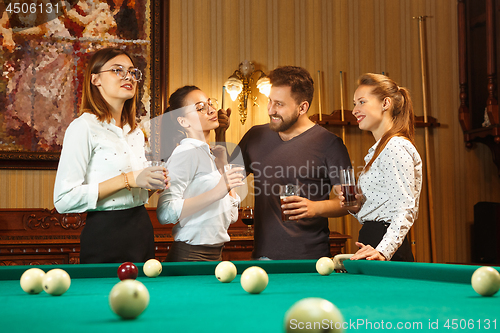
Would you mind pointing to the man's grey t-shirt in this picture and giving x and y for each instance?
(311, 160)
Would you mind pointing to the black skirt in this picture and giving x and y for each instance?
(117, 236)
(372, 232)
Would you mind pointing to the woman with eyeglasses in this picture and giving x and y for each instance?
(101, 165)
(200, 201)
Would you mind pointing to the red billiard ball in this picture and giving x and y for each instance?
(127, 270)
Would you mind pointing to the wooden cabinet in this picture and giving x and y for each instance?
(478, 28)
(42, 236)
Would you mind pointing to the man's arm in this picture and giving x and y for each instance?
(301, 208)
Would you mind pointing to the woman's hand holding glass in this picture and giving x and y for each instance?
(153, 177)
(230, 179)
(360, 200)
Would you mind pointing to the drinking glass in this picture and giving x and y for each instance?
(287, 191)
(148, 164)
(228, 167)
(348, 183)
(247, 217)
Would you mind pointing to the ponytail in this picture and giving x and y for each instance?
(401, 109)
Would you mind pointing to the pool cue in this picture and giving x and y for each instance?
(342, 118)
(423, 61)
(411, 233)
(319, 96)
(345, 221)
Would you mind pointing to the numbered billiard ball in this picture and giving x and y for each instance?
(31, 280)
(152, 268)
(127, 270)
(324, 266)
(314, 310)
(56, 282)
(486, 281)
(225, 271)
(129, 298)
(254, 280)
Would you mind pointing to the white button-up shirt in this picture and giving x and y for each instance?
(192, 171)
(95, 151)
(392, 190)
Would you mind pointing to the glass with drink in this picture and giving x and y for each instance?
(148, 164)
(287, 191)
(247, 217)
(228, 167)
(348, 183)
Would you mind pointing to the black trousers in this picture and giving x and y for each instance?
(180, 251)
(117, 236)
(372, 232)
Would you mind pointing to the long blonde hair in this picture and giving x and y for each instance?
(401, 109)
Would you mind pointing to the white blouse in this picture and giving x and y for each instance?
(193, 172)
(392, 188)
(95, 151)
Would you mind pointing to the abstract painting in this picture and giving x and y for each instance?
(42, 65)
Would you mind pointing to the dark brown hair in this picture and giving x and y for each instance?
(298, 79)
(401, 109)
(171, 131)
(92, 100)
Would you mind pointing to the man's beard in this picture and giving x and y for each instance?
(285, 124)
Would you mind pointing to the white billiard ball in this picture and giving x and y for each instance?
(308, 312)
(254, 280)
(324, 266)
(225, 271)
(486, 281)
(31, 280)
(56, 282)
(129, 298)
(152, 268)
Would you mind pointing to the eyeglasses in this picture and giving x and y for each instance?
(203, 107)
(135, 73)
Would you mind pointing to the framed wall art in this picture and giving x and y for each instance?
(43, 61)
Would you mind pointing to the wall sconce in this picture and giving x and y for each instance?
(238, 86)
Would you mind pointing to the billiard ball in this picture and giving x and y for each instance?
(338, 262)
(225, 271)
(313, 314)
(486, 281)
(56, 282)
(127, 270)
(129, 298)
(324, 266)
(254, 280)
(152, 268)
(31, 280)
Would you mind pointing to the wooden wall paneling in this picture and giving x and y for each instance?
(209, 38)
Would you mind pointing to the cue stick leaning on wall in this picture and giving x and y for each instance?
(345, 219)
(423, 63)
(319, 96)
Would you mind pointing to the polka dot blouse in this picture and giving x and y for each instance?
(392, 188)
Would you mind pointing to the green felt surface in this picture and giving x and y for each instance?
(195, 303)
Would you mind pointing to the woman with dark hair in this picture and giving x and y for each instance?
(392, 177)
(101, 165)
(201, 201)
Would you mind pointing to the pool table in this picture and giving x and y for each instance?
(187, 297)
